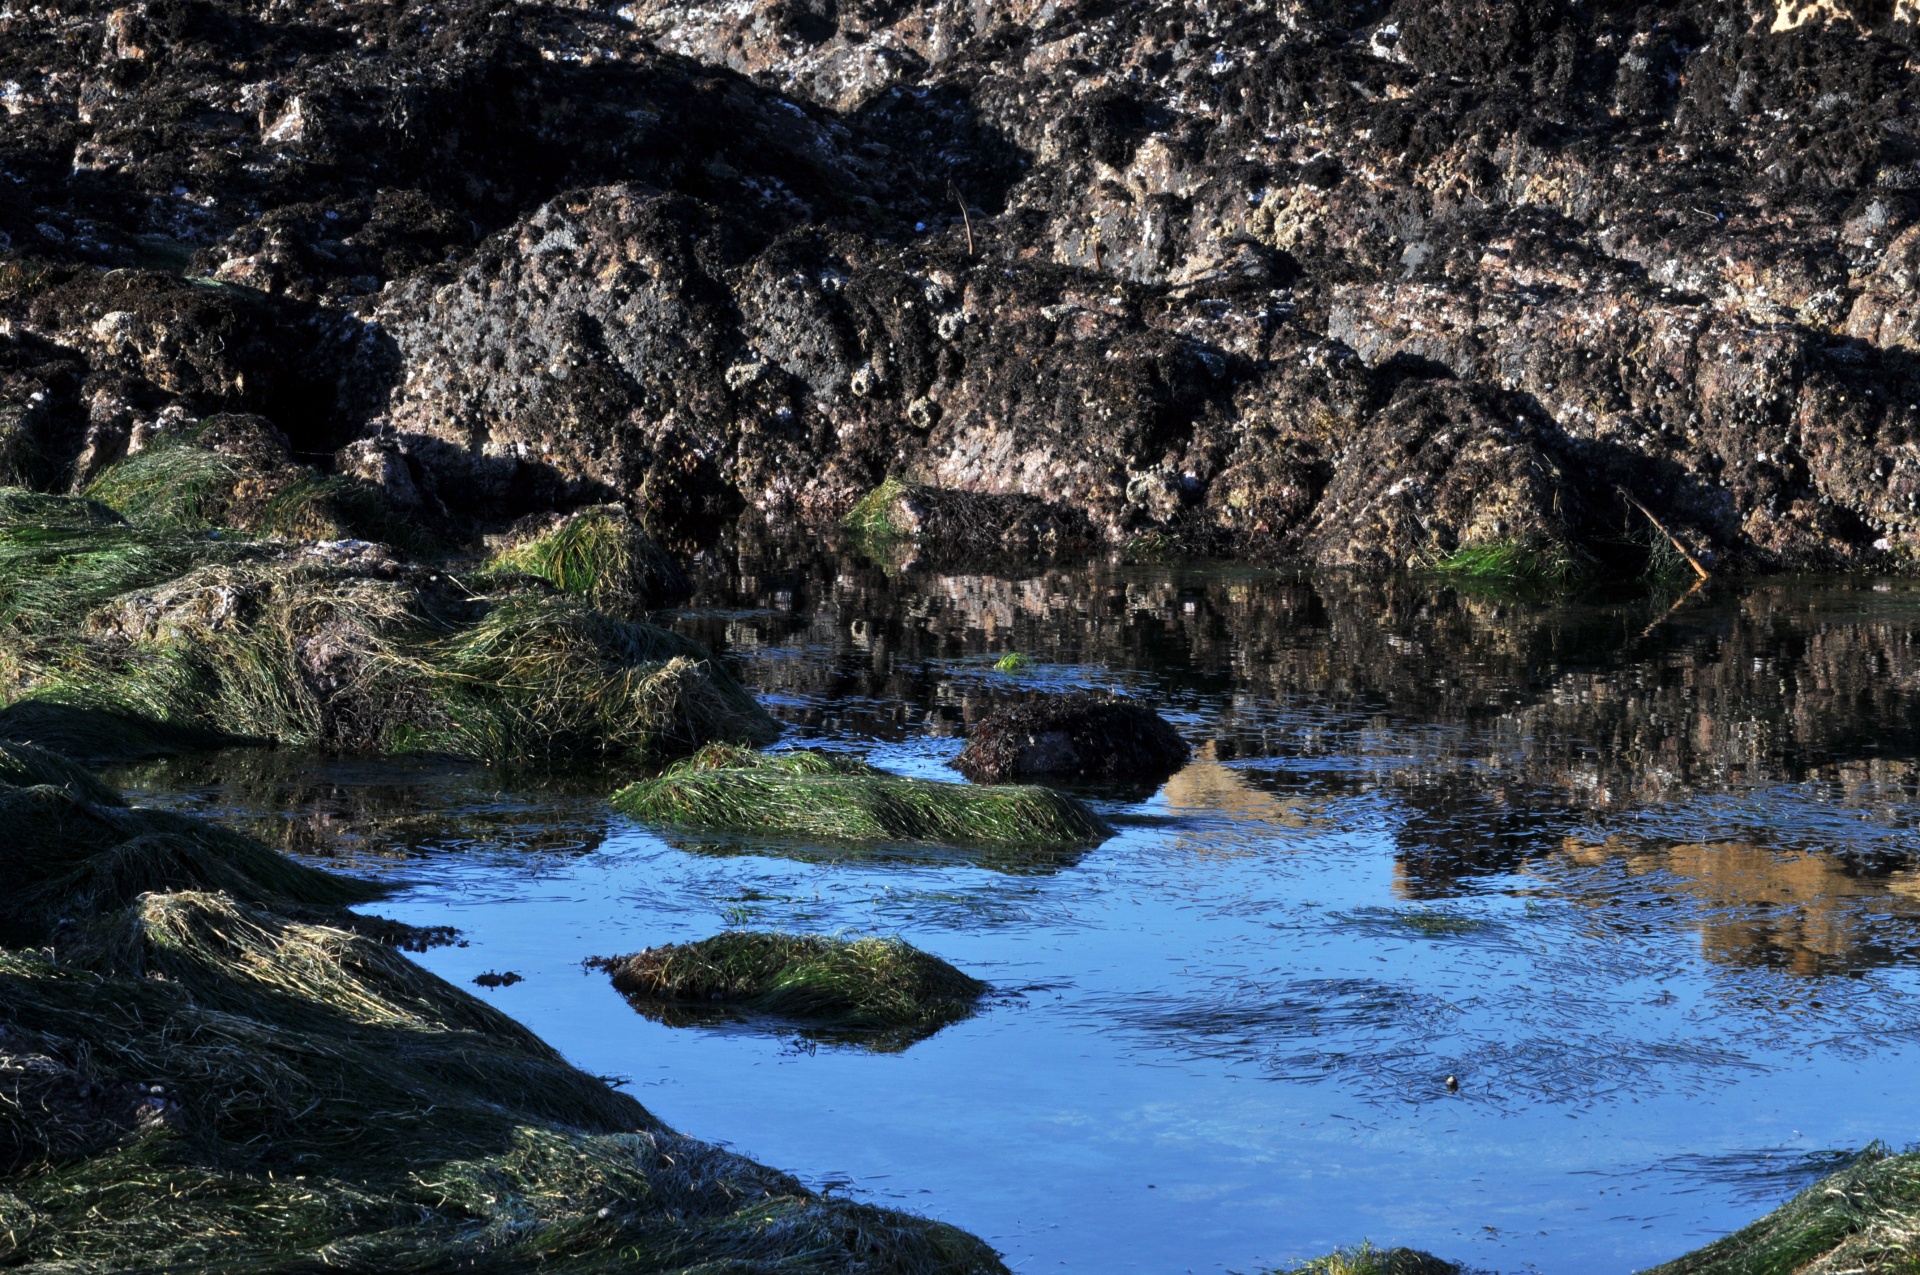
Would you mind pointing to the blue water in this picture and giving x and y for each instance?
(1652, 901)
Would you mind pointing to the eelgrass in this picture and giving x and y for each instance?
(601, 555)
(824, 980)
(237, 1081)
(1864, 1218)
(1365, 1259)
(312, 654)
(53, 573)
(175, 485)
(815, 796)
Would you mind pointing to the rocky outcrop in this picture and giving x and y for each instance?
(1367, 283)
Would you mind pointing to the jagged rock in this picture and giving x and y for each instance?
(1086, 736)
(1162, 265)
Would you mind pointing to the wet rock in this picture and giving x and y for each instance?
(1086, 736)
(908, 524)
(1441, 468)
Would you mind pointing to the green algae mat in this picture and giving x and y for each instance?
(819, 796)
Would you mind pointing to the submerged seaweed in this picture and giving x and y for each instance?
(859, 985)
(819, 796)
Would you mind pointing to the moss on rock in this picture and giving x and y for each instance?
(849, 984)
(818, 796)
(599, 554)
(216, 1069)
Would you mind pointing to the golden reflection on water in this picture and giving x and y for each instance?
(1250, 814)
(1806, 911)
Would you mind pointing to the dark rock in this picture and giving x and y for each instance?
(1086, 736)
(912, 525)
(1177, 269)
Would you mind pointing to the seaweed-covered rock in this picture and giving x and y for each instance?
(818, 796)
(826, 981)
(910, 524)
(208, 998)
(601, 554)
(341, 645)
(1085, 736)
(238, 472)
(1850, 1220)
(1365, 1259)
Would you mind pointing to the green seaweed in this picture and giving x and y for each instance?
(1866, 1217)
(820, 797)
(601, 555)
(1513, 563)
(828, 981)
(215, 1068)
(1365, 1259)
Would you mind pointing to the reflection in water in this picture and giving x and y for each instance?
(362, 815)
(1803, 910)
(1645, 882)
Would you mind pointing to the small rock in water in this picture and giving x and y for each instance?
(1092, 736)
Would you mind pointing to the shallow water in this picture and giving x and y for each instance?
(1643, 876)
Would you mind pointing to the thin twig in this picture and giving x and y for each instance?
(1666, 615)
(965, 216)
(1661, 528)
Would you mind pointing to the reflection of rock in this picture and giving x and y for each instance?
(1754, 905)
(1204, 786)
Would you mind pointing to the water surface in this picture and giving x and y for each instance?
(1644, 878)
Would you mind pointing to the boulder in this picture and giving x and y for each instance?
(1089, 736)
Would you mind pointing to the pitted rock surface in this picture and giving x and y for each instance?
(1350, 283)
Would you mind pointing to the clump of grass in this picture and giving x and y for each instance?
(1150, 547)
(1365, 1259)
(172, 485)
(863, 983)
(26, 765)
(76, 852)
(1013, 662)
(53, 574)
(326, 656)
(22, 508)
(872, 520)
(819, 797)
(540, 679)
(1513, 563)
(238, 1080)
(1866, 1217)
(254, 487)
(601, 555)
